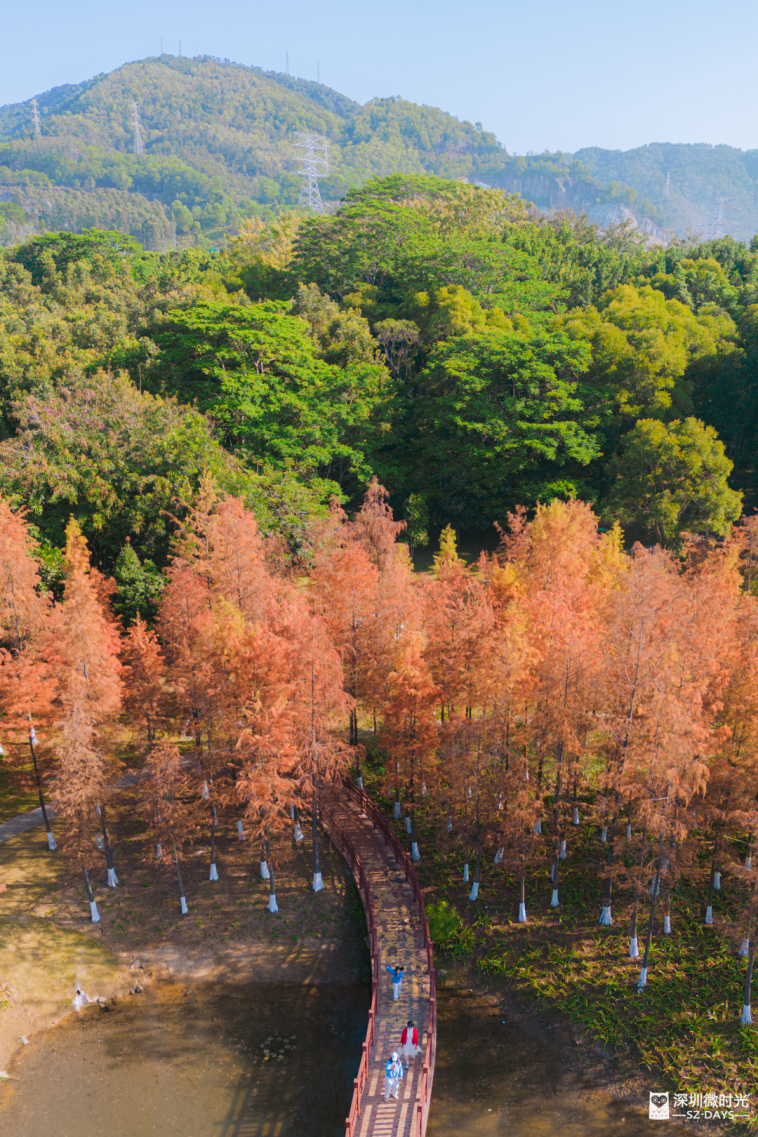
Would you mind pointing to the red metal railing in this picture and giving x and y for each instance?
(346, 847)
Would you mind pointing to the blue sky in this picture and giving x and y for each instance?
(546, 74)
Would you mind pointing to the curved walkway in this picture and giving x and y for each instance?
(399, 935)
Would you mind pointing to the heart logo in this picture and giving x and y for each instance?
(658, 1099)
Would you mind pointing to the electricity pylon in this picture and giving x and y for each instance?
(717, 219)
(315, 165)
(35, 119)
(138, 147)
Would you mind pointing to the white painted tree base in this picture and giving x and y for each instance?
(51, 842)
(206, 791)
(667, 925)
(744, 949)
(642, 981)
(554, 902)
(265, 874)
(709, 915)
(552, 873)
(450, 825)
(628, 832)
(465, 874)
(746, 1017)
(158, 852)
(604, 834)
(318, 882)
(563, 851)
(407, 825)
(112, 878)
(94, 912)
(185, 909)
(415, 855)
(749, 861)
(359, 782)
(522, 913)
(538, 826)
(298, 834)
(474, 890)
(98, 841)
(423, 789)
(272, 905)
(213, 873)
(499, 856)
(398, 812)
(606, 919)
(716, 881)
(634, 951)
(240, 831)
(576, 816)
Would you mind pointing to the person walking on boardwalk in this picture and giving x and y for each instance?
(396, 975)
(393, 1075)
(409, 1042)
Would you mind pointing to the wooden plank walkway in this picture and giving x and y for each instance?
(400, 942)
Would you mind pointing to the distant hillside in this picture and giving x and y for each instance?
(709, 187)
(218, 146)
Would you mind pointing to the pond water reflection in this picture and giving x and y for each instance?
(198, 1060)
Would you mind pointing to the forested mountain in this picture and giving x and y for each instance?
(218, 146)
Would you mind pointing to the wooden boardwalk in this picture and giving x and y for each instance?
(400, 941)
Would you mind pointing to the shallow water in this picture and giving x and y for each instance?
(190, 1061)
(492, 1078)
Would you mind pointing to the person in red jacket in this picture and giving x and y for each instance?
(409, 1043)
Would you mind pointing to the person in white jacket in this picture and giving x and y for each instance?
(409, 1043)
(393, 1075)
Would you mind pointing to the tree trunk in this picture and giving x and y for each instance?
(634, 951)
(605, 914)
(264, 862)
(522, 895)
(50, 839)
(91, 897)
(477, 865)
(112, 878)
(182, 897)
(318, 883)
(746, 1016)
(648, 938)
(415, 855)
(272, 905)
(214, 821)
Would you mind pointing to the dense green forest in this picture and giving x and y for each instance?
(430, 332)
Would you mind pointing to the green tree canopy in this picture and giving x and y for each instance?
(672, 478)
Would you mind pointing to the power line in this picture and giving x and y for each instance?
(35, 119)
(315, 164)
(138, 147)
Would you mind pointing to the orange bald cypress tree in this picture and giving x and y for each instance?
(26, 626)
(88, 674)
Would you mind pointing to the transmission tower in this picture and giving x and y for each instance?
(35, 119)
(315, 165)
(138, 147)
(717, 220)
